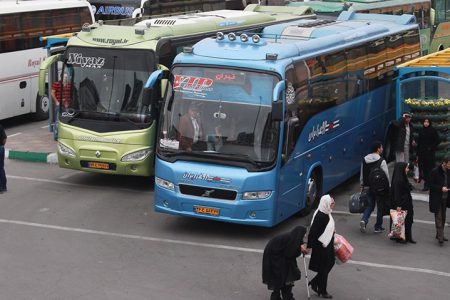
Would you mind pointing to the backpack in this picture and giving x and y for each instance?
(378, 181)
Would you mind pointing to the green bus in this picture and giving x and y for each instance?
(433, 16)
(106, 119)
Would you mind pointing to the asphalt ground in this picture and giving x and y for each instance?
(72, 235)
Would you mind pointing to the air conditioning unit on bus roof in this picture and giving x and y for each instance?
(218, 15)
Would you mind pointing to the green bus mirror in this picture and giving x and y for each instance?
(43, 69)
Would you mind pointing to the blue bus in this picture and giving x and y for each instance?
(256, 127)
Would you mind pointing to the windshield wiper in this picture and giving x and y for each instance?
(234, 156)
(71, 116)
(243, 157)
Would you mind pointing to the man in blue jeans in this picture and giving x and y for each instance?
(2, 160)
(370, 161)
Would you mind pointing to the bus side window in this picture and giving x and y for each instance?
(9, 29)
(412, 44)
(356, 62)
(335, 76)
(376, 57)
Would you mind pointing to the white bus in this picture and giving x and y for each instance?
(123, 9)
(21, 52)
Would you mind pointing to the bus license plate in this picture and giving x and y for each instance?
(98, 165)
(206, 210)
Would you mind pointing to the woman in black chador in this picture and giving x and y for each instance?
(321, 240)
(401, 197)
(426, 149)
(280, 268)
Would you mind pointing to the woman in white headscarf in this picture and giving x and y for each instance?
(321, 241)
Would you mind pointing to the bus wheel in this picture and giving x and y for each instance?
(42, 107)
(312, 193)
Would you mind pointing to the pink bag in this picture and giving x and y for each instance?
(398, 224)
(342, 248)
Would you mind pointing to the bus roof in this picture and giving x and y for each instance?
(14, 6)
(437, 59)
(300, 39)
(335, 6)
(139, 35)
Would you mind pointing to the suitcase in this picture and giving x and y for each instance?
(358, 203)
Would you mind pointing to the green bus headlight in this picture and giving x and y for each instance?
(136, 156)
(66, 151)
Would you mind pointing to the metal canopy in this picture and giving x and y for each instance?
(439, 59)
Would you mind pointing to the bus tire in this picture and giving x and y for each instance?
(313, 193)
(42, 108)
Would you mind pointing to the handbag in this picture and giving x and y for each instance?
(342, 248)
(398, 224)
(358, 202)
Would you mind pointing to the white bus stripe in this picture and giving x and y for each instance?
(207, 245)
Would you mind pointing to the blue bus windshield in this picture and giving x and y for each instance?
(220, 111)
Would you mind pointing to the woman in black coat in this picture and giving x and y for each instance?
(280, 268)
(321, 241)
(427, 143)
(401, 197)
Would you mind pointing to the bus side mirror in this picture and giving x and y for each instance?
(147, 97)
(151, 84)
(43, 69)
(277, 111)
(277, 101)
(156, 76)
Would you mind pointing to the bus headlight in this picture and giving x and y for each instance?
(66, 151)
(256, 195)
(136, 156)
(164, 183)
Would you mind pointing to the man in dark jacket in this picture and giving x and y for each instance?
(2, 160)
(403, 138)
(440, 196)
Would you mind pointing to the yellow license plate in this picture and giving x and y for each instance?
(98, 165)
(207, 210)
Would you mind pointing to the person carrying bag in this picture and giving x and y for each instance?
(321, 241)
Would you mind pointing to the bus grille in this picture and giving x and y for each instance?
(207, 192)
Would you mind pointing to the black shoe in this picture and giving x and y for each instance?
(441, 242)
(444, 239)
(401, 241)
(412, 241)
(379, 230)
(326, 295)
(314, 288)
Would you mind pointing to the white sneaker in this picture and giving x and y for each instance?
(362, 226)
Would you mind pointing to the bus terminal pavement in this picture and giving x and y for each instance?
(29, 141)
(33, 141)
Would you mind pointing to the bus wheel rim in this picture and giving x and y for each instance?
(311, 191)
(44, 104)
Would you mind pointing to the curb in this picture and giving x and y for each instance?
(40, 157)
